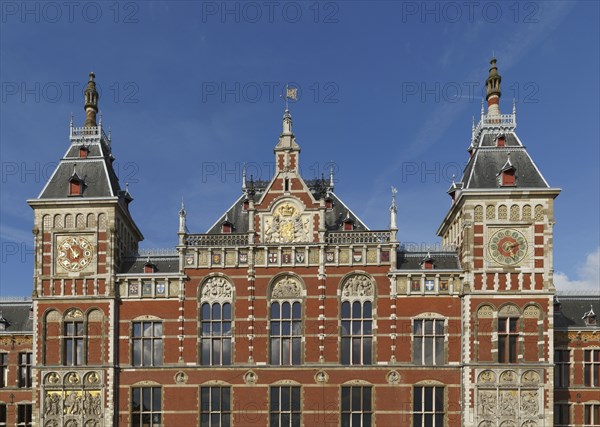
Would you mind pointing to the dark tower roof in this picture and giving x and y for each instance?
(493, 142)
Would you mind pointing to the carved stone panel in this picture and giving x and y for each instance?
(217, 289)
(286, 287)
(359, 286)
(286, 224)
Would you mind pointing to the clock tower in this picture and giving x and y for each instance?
(501, 222)
(82, 231)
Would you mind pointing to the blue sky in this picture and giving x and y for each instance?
(191, 91)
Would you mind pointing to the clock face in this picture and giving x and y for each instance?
(508, 246)
(75, 253)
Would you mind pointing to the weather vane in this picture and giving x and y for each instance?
(290, 93)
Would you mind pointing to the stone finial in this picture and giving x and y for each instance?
(90, 96)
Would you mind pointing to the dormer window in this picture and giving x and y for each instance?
(507, 176)
(590, 318)
(245, 205)
(501, 141)
(4, 324)
(75, 186)
(328, 203)
(427, 262)
(348, 224)
(149, 267)
(83, 151)
(226, 227)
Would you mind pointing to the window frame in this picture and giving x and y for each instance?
(3, 415)
(71, 341)
(24, 410)
(348, 325)
(3, 370)
(508, 352)
(560, 413)
(562, 368)
(433, 338)
(591, 367)
(212, 337)
(295, 335)
(142, 412)
(434, 412)
(219, 412)
(347, 411)
(25, 378)
(591, 414)
(294, 413)
(153, 340)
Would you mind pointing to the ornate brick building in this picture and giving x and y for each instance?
(290, 310)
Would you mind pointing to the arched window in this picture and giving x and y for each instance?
(508, 334)
(74, 341)
(428, 341)
(285, 327)
(357, 321)
(215, 322)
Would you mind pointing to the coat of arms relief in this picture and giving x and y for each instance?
(286, 224)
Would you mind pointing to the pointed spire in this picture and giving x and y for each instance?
(393, 210)
(492, 89)
(182, 215)
(514, 106)
(331, 176)
(482, 109)
(287, 123)
(71, 123)
(244, 178)
(91, 102)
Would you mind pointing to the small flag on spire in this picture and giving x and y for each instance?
(291, 93)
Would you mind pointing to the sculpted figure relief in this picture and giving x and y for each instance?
(358, 286)
(286, 226)
(217, 288)
(529, 403)
(487, 403)
(287, 288)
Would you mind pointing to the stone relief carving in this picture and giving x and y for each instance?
(508, 403)
(180, 377)
(529, 403)
(321, 377)
(73, 403)
(393, 377)
(287, 287)
(531, 377)
(486, 423)
(487, 404)
(92, 404)
(52, 423)
(286, 225)
(250, 378)
(529, 423)
(487, 377)
(72, 378)
(217, 289)
(508, 377)
(52, 378)
(53, 404)
(508, 423)
(358, 286)
(74, 313)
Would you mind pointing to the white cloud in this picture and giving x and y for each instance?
(588, 276)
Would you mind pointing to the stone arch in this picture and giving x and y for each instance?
(58, 221)
(502, 212)
(478, 215)
(490, 212)
(515, 213)
(358, 285)
(526, 212)
(216, 287)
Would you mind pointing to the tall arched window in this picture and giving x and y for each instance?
(357, 321)
(508, 334)
(215, 322)
(74, 341)
(286, 322)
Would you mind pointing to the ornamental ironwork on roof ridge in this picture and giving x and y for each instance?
(15, 299)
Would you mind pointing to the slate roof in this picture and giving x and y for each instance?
(487, 161)
(572, 309)
(334, 217)
(17, 314)
(442, 260)
(99, 177)
(164, 264)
